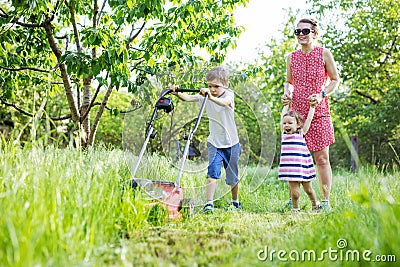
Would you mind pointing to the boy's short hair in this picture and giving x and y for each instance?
(218, 73)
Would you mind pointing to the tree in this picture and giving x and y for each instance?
(364, 37)
(77, 48)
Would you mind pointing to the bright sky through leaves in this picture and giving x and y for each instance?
(262, 20)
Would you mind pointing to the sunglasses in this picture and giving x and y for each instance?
(305, 31)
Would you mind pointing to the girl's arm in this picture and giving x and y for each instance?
(287, 90)
(307, 123)
(284, 111)
(289, 79)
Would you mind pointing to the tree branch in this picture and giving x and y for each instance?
(131, 38)
(24, 68)
(99, 114)
(3, 12)
(101, 11)
(136, 65)
(389, 52)
(122, 111)
(30, 114)
(366, 96)
(15, 107)
(61, 37)
(85, 121)
(15, 21)
(58, 4)
(28, 25)
(75, 28)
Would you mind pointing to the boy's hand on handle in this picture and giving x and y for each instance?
(203, 91)
(173, 88)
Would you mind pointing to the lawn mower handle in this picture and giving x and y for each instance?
(189, 138)
(150, 129)
(182, 90)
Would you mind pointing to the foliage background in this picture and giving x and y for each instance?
(365, 105)
(62, 205)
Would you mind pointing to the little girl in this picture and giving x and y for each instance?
(296, 164)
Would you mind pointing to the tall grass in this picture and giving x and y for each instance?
(59, 205)
(67, 207)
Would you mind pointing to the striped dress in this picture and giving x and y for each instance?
(296, 163)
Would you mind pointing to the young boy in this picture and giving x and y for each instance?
(223, 142)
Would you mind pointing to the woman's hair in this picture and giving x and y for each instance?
(218, 73)
(312, 21)
(297, 116)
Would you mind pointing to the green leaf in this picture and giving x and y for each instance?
(129, 4)
(50, 6)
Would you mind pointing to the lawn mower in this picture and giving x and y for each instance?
(167, 193)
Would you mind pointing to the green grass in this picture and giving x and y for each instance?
(65, 207)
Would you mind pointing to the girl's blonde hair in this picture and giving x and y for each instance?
(299, 118)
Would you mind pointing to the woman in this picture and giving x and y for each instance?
(311, 70)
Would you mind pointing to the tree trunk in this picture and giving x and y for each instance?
(85, 107)
(63, 69)
(86, 90)
(99, 114)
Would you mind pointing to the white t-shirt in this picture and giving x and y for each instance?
(223, 132)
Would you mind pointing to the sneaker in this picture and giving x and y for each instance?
(234, 206)
(208, 208)
(325, 206)
(295, 210)
(289, 204)
(317, 207)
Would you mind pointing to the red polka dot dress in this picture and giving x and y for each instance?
(309, 77)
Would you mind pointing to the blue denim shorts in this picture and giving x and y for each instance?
(229, 157)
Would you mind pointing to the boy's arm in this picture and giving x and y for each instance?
(184, 97)
(307, 123)
(220, 101)
(187, 98)
(226, 101)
